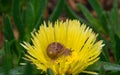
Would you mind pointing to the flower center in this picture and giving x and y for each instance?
(55, 50)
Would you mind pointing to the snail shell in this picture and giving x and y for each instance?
(55, 49)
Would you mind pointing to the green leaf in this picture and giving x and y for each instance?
(28, 69)
(114, 29)
(113, 73)
(72, 15)
(100, 13)
(101, 71)
(7, 65)
(57, 11)
(112, 38)
(114, 13)
(24, 16)
(14, 71)
(49, 71)
(39, 7)
(17, 70)
(8, 33)
(90, 18)
(2, 52)
(40, 21)
(114, 16)
(117, 39)
(105, 55)
(29, 17)
(69, 12)
(106, 65)
(17, 19)
(114, 42)
(7, 29)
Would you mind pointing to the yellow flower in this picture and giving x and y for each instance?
(66, 47)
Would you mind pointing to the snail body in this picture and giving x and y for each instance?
(55, 49)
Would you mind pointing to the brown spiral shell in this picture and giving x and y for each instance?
(55, 49)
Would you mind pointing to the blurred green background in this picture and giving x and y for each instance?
(18, 18)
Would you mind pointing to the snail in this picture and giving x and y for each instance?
(55, 49)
